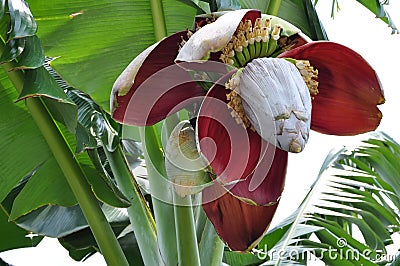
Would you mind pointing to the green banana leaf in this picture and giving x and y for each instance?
(38, 82)
(95, 40)
(93, 125)
(59, 221)
(23, 147)
(71, 33)
(54, 220)
(105, 36)
(44, 187)
(47, 185)
(15, 235)
(81, 244)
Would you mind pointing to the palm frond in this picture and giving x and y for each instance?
(350, 213)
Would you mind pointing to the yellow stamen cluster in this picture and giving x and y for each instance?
(251, 41)
(235, 102)
(227, 54)
(309, 74)
(275, 34)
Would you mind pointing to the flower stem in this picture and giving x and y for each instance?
(201, 219)
(188, 252)
(161, 194)
(211, 246)
(72, 171)
(139, 214)
(273, 7)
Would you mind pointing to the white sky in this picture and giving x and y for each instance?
(354, 27)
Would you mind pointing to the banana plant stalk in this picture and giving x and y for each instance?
(96, 219)
(161, 195)
(188, 252)
(185, 172)
(139, 215)
(211, 246)
(273, 7)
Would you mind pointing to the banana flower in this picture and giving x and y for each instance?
(282, 85)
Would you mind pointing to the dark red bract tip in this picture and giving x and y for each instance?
(349, 89)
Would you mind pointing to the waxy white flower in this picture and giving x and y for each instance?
(277, 102)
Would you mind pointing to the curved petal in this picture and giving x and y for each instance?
(239, 224)
(265, 185)
(349, 89)
(277, 102)
(213, 37)
(152, 86)
(232, 151)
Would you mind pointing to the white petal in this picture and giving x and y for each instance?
(212, 37)
(277, 102)
(125, 81)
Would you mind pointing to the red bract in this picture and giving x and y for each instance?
(232, 151)
(239, 224)
(249, 171)
(163, 85)
(349, 90)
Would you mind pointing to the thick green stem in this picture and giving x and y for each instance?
(273, 7)
(139, 214)
(160, 28)
(211, 246)
(161, 194)
(188, 252)
(98, 223)
(101, 229)
(201, 219)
